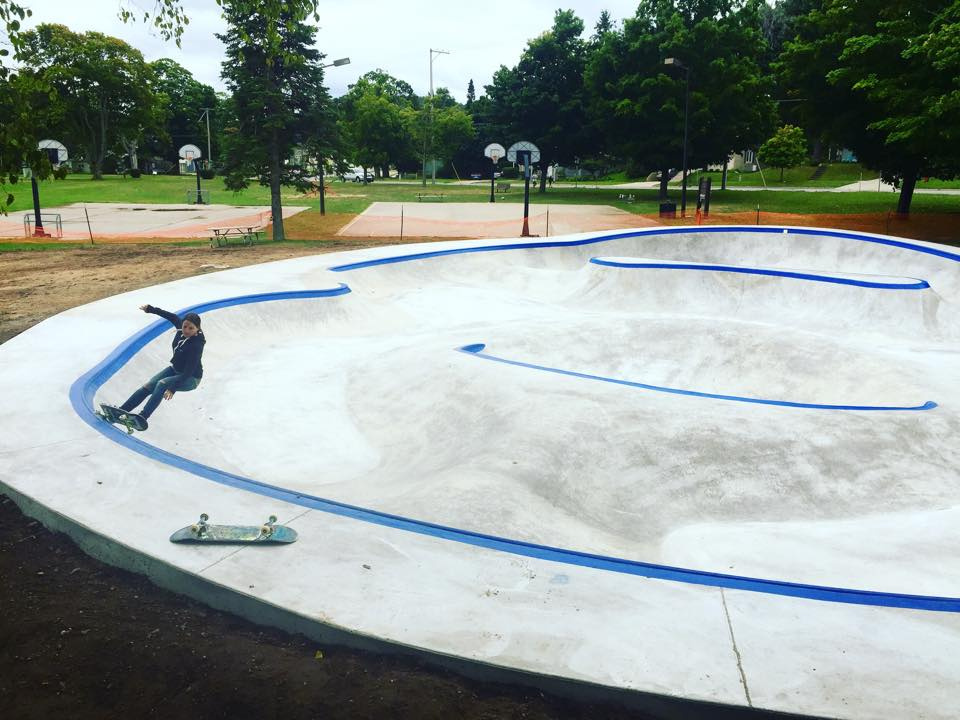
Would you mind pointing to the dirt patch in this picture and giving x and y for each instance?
(37, 284)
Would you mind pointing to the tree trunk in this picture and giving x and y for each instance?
(906, 193)
(664, 181)
(781, 174)
(102, 149)
(276, 208)
(817, 153)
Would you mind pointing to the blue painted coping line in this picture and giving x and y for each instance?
(764, 229)
(84, 389)
(478, 348)
(918, 285)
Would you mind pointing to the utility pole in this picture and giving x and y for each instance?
(433, 164)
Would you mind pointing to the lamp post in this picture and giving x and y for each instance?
(673, 62)
(323, 208)
(433, 164)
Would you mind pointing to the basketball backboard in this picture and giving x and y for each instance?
(494, 151)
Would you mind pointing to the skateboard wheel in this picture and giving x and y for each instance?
(204, 517)
(272, 520)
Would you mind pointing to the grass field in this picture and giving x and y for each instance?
(354, 198)
(834, 175)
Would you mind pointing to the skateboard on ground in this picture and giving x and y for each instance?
(116, 416)
(203, 532)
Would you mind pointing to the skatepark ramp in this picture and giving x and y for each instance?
(664, 463)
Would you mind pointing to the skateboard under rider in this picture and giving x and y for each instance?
(116, 416)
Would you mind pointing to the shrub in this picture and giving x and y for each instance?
(509, 173)
(208, 173)
(135, 172)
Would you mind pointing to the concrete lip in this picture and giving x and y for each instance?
(705, 463)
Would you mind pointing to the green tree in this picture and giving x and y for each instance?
(639, 107)
(27, 99)
(542, 99)
(471, 95)
(880, 77)
(103, 88)
(373, 122)
(787, 148)
(602, 28)
(185, 99)
(279, 101)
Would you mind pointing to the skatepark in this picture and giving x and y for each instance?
(691, 464)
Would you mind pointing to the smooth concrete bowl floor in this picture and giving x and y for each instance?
(715, 463)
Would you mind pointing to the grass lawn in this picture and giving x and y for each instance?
(352, 198)
(835, 175)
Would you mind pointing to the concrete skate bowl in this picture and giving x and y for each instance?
(678, 463)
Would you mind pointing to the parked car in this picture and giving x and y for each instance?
(356, 174)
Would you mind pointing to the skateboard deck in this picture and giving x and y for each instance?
(203, 532)
(116, 416)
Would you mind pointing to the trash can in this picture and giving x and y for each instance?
(668, 209)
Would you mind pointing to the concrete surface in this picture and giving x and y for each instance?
(132, 220)
(485, 220)
(714, 463)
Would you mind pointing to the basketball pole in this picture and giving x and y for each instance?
(525, 155)
(38, 220)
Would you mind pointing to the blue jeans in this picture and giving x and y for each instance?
(155, 387)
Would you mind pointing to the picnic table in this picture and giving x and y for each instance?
(503, 187)
(244, 233)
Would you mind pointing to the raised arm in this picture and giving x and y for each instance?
(172, 317)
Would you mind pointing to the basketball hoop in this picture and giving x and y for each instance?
(190, 153)
(523, 148)
(494, 151)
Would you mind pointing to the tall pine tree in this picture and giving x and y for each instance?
(279, 100)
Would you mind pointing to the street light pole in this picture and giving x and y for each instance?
(206, 111)
(673, 62)
(323, 208)
(433, 165)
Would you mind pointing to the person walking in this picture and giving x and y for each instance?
(184, 372)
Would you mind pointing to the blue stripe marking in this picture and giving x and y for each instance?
(84, 389)
(764, 229)
(477, 350)
(918, 285)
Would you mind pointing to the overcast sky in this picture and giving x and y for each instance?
(393, 35)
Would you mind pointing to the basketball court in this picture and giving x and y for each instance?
(485, 220)
(106, 221)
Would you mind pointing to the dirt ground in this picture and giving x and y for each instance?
(81, 639)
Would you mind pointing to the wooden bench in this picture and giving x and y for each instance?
(246, 234)
(503, 187)
(430, 197)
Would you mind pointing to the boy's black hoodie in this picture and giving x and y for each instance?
(186, 351)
